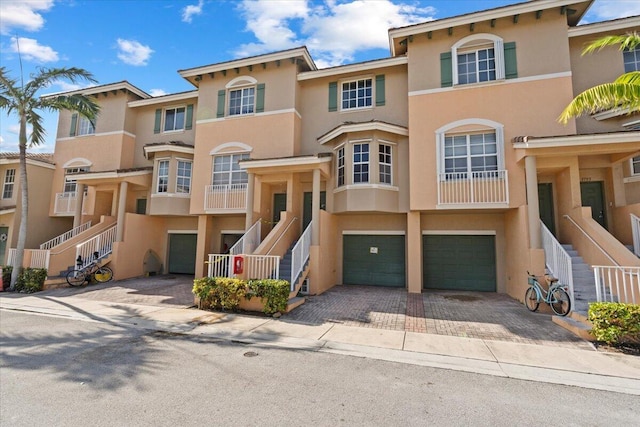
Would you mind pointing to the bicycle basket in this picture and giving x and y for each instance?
(531, 280)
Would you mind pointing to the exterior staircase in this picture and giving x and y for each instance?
(285, 274)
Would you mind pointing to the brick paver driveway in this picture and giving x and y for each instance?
(482, 315)
(170, 289)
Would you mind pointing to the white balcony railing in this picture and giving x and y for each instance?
(66, 236)
(466, 188)
(66, 203)
(617, 284)
(557, 259)
(635, 228)
(225, 197)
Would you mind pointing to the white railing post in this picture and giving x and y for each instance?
(249, 241)
(300, 255)
(635, 229)
(460, 188)
(66, 236)
(102, 243)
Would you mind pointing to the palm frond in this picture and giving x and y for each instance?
(38, 132)
(46, 76)
(84, 105)
(603, 97)
(627, 41)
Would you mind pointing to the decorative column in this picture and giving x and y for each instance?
(248, 222)
(77, 214)
(315, 209)
(531, 176)
(122, 201)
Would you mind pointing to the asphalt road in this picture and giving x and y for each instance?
(62, 372)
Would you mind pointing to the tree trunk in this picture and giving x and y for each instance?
(24, 209)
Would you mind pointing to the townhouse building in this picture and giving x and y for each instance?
(442, 166)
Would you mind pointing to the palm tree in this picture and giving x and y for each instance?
(623, 93)
(23, 101)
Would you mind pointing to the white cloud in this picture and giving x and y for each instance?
(22, 14)
(189, 11)
(157, 92)
(133, 53)
(604, 10)
(31, 50)
(333, 31)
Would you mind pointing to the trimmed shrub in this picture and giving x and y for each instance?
(274, 294)
(30, 280)
(219, 292)
(614, 322)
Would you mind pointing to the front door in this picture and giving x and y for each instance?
(592, 195)
(4, 235)
(279, 205)
(306, 211)
(545, 201)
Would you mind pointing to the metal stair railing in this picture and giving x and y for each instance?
(249, 241)
(65, 236)
(558, 261)
(635, 229)
(102, 243)
(300, 255)
(622, 284)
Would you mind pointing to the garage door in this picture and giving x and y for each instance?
(182, 253)
(459, 262)
(373, 260)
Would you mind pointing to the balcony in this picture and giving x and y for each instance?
(227, 198)
(485, 189)
(66, 204)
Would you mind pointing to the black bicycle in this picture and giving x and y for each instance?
(83, 275)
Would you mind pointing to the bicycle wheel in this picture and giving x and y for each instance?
(560, 302)
(531, 299)
(103, 274)
(76, 277)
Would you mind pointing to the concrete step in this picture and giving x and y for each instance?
(294, 302)
(576, 326)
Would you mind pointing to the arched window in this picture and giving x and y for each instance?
(478, 58)
(226, 168)
(472, 147)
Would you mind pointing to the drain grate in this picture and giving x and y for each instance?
(250, 354)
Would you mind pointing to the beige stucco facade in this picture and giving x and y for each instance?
(273, 140)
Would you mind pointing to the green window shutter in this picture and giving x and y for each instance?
(156, 127)
(380, 90)
(260, 98)
(189, 119)
(510, 62)
(74, 124)
(446, 73)
(221, 94)
(333, 96)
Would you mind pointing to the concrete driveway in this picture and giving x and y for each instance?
(482, 315)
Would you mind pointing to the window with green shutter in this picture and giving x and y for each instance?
(189, 119)
(260, 98)
(221, 97)
(158, 121)
(380, 90)
(74, 124)
(510, 62)
(333, 96)
(446, 74)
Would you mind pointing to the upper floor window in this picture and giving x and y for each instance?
(478, 58)
(241, 101)
(357, 94)
(9, 180)
(226, 170)
(631, 59)
(183, 179)
(463, 154)
(174, 119)
(340, 166)
(163, 176)
(360, 163)
(85, 126)
(384, 163)
(70, 185)
(635, 166)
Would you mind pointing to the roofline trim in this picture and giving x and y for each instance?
(91, 90)
(606, 26)
(572, 140)
(352, 68)
(164, 98)
(357, 127)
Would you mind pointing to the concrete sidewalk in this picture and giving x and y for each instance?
(558, 365)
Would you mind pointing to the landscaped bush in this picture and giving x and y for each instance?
(219, 292)
(614, 322)
(225, 293)
(274, 294)
(29, 281)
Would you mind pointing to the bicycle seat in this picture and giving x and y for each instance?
(551, 279)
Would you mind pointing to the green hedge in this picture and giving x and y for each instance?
(29, 281)
(615, 323)
(225, 293)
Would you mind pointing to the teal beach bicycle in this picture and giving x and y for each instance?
(557, 296)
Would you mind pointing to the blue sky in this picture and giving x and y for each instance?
(145, 42)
